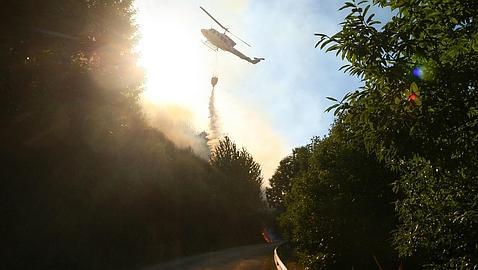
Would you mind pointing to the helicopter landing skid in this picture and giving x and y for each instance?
(210, 46)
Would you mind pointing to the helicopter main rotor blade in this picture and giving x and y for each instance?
(223, 27)
(239, 38)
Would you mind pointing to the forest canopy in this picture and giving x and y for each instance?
(86, 183)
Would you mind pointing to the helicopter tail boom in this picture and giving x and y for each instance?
(243, 56)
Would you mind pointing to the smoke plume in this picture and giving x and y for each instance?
(176, 124)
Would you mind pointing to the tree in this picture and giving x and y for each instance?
(281, 181)
(339, 212)
(417, 111)
(86, 183)
(62, 130)
(238, 188)
(244, 178)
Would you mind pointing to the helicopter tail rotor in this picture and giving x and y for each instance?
(256, 60)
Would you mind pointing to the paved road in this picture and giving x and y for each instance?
(254, 257)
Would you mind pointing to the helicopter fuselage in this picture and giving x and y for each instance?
(225, 43)
(220, 40)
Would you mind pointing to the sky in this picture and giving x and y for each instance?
(268, 108)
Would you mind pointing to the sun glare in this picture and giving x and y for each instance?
(174, 61)
(178, 71)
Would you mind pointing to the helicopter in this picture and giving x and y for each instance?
(224, 42)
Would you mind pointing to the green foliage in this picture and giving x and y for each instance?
(339, 212)
(438, 214)
(417, 112)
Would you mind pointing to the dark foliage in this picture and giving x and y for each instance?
(281, 182)
(85, 183)
(245, 178)
(339, 210)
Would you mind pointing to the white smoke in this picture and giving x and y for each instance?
(176, 124)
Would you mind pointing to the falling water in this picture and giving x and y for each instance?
(214, 131)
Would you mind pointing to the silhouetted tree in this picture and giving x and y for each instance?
(85, 182)
(244, 177)
(281, 181)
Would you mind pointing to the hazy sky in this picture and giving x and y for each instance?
(269, 108)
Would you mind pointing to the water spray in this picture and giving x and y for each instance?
(214, 132)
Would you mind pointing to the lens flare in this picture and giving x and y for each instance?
(419, 72)
(412, 97)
